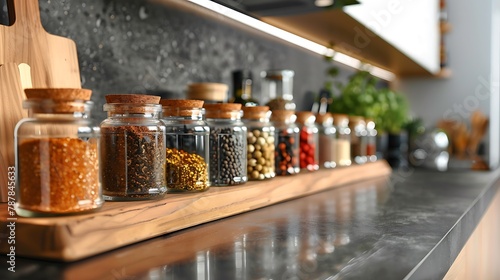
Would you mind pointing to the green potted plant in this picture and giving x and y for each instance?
(389, 109)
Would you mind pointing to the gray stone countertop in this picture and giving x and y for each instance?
(411, 226)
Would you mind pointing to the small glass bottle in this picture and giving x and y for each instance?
(133, 148)
(57, 153)
(277, 89)
(187, 149)
(371, 141)
(260, 142)
(228, 144)
(327, 146)
(243, 88)
(358, 139)
(286, 142)
(308, 141)
(343, 143)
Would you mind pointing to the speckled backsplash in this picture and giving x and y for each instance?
(133, 46)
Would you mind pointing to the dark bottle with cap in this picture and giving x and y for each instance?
(242, 88)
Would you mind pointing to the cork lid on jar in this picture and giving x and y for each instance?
(324, 119)
(215, 92)
(340, 119)
(305, 117)
(222, 110)
(370, 123)
(356, 120)
(132, 103)
(57, 100)
(132, 99)
(283, 115)
(180, 107)
(256, 112)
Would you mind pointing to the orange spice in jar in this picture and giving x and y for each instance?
(57, 154)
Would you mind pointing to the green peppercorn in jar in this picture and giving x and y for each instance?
(57, 154)
(187, 145)
(227, 144)
(133, 148)
(260, 142)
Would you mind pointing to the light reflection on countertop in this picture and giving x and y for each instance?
(373, 229)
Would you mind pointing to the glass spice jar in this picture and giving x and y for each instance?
(227, 144)
(187, 149)
(343, 143)
(286, 142)
(277, 89)
(308, 140)
(57, 153)
(327, 146)
(133, 148)
(371, 141)
(358, 139)
(208, 92)
(260, 142)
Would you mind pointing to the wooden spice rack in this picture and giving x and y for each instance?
(117, 224)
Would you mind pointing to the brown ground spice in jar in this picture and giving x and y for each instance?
(58, 175)
(186, 171)
(132, 161)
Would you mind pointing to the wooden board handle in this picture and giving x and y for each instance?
(13, 79)
(24, 11)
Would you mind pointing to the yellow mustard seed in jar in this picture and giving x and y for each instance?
(186, 171)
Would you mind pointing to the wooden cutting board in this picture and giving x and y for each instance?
(53, 62)
(70, 238)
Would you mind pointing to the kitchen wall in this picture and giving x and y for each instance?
(129, 46)
(474, 58)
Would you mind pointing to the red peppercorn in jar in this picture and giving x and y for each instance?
(287, 142)
(308, 140)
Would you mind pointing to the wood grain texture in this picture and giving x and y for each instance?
(11, 91)
(480, 256)
(138, 259)
(53, 61)
(122, 223)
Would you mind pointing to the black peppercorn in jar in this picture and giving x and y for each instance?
(57, 153)
(286, 142)
(187, 145)
(358, 139)
(133, 148)
(260, 142)
(227, 144)
(308, 141)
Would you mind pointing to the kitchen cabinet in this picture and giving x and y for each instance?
(400, 36)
